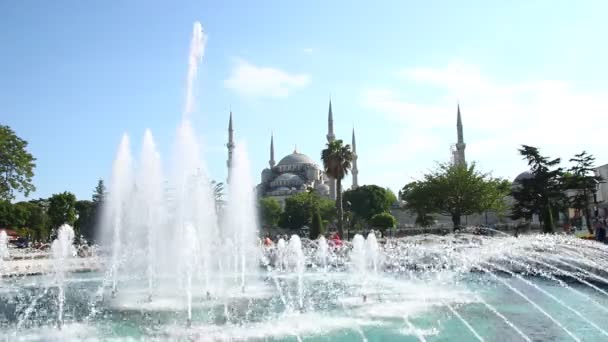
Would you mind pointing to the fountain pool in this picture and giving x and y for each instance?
(427, 288)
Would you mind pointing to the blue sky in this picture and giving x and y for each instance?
(76, 75)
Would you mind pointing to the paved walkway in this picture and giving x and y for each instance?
(22, 267)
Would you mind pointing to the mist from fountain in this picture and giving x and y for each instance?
(62, 249)
(240, 217)
(296, 257)
(4, 254)
(114, 215)
(189, 253)
(371, 249)
(322, 253)
(357, 256)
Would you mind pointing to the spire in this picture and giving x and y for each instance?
(355, 169)
(271, 161)
(460, 145)
(230, 146)
(330, 124)
(459, 126)
(230, 130)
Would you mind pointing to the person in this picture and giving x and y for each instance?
(267, 241)
(602, 229)
(335, 239)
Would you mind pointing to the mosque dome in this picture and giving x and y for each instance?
(322, 188)
(288, 177)
(522, 176)
(516, 185)
(295, 158)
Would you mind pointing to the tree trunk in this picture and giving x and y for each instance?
(456, 221)
(548, 219)
(339, 207)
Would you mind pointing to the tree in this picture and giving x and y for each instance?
(16, 165)
(31, 218)
(383, 221)
(270, 211)
(300, 207)
(327, 208)
(337, 159)
(38, 221)
(85, 222)
(6, 214)
(581, 178)
(316, 226)
(369, 200)
(99, 194)
(62, 209)
(419, 201)
(297, 212)
(540, 193)
(456, 191)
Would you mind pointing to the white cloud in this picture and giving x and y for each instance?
(551, 114)
(255, 81)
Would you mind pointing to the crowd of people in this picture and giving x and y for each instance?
(334, 240)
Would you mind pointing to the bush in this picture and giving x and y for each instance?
(383, 221)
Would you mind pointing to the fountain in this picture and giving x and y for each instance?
(296, 259)
(62, 250)
(322, 252)
(4, 255)
(180, 267)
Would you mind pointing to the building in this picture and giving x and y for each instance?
(601, 196)
(296, 172)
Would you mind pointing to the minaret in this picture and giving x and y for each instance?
(271, 162)
(330, 125)
(460, 145)
(330, 138)
(355, 170)
(230, 146)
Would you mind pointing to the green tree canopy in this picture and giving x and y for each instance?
(369, 200)
(6, 214)
(383, 221)
(337, 161)
(16, 165)
(419, 200)
(62, 209)
(99, 193)
(270, 211)
(582, 178)
(455, 191)
(86, 219)
(540, 193)
(300, 207)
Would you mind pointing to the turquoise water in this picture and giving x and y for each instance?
(397, 307)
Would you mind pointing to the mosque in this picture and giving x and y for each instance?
(296, 172)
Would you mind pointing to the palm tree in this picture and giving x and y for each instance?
(337, 160)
